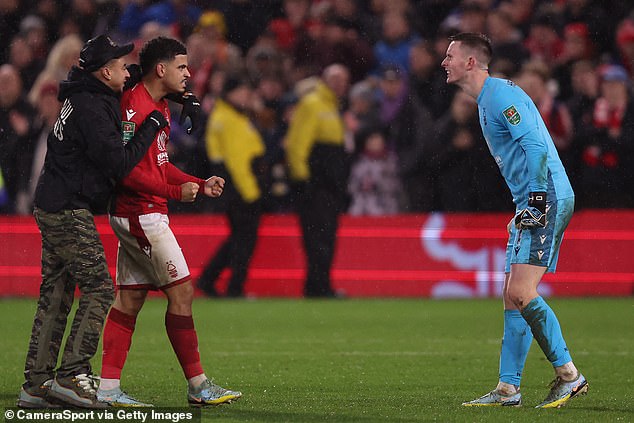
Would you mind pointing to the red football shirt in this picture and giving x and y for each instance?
(154, 180)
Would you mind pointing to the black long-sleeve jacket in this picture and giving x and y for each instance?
(86, 155)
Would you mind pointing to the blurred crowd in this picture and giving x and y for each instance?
(414, 142)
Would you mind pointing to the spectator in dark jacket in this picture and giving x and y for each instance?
(467, 178)
(585, 90)
(534, 79)
(85, 156)
(427, 80)
(506, 41)
(408, 124)
(16, 134)
(605, 173)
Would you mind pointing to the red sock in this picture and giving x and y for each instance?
(182, 335)
(117, 338)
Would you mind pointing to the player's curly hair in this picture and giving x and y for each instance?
(480, 43)
(160, 49)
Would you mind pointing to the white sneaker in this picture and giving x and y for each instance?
(210, 394)
(117, 398)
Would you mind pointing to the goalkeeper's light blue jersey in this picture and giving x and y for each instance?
(520, 143)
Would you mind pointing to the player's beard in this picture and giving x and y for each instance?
(178, 88)
(184, 86)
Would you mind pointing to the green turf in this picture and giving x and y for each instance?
(362, 360)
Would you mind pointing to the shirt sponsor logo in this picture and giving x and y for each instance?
(162, 158)
(512, 115)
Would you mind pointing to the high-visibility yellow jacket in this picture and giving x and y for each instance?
(231, 139)
(315, 121)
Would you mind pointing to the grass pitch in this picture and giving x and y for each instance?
(361, 360)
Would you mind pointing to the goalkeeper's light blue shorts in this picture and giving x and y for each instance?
(540, 246)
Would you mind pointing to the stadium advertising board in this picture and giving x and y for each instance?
(435, 255)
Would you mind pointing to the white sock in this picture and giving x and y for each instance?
(108, 384)
(196, 381)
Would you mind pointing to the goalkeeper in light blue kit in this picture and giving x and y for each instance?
(524, 151)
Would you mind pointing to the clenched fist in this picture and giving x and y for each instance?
(214, 186)
(189, 191)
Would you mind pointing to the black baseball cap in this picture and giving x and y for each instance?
(99, 51)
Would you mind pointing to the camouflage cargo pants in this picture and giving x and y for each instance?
(72, 255)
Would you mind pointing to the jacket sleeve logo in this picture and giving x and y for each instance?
(127, 129)
(66, 111)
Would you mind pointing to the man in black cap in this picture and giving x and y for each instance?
(85, 156)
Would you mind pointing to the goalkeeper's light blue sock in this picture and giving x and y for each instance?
(547, 332)
(515, 345)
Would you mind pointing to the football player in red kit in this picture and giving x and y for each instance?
(149, 256)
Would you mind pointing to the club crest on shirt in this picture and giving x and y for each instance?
(512, 115)
(161, 141)
(127, 129)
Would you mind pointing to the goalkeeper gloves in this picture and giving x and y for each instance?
(533, 216)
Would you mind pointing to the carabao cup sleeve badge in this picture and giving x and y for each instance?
(128, 130)
(512, 115)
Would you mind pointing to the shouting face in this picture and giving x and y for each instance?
(176, 74)
(455, 63)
